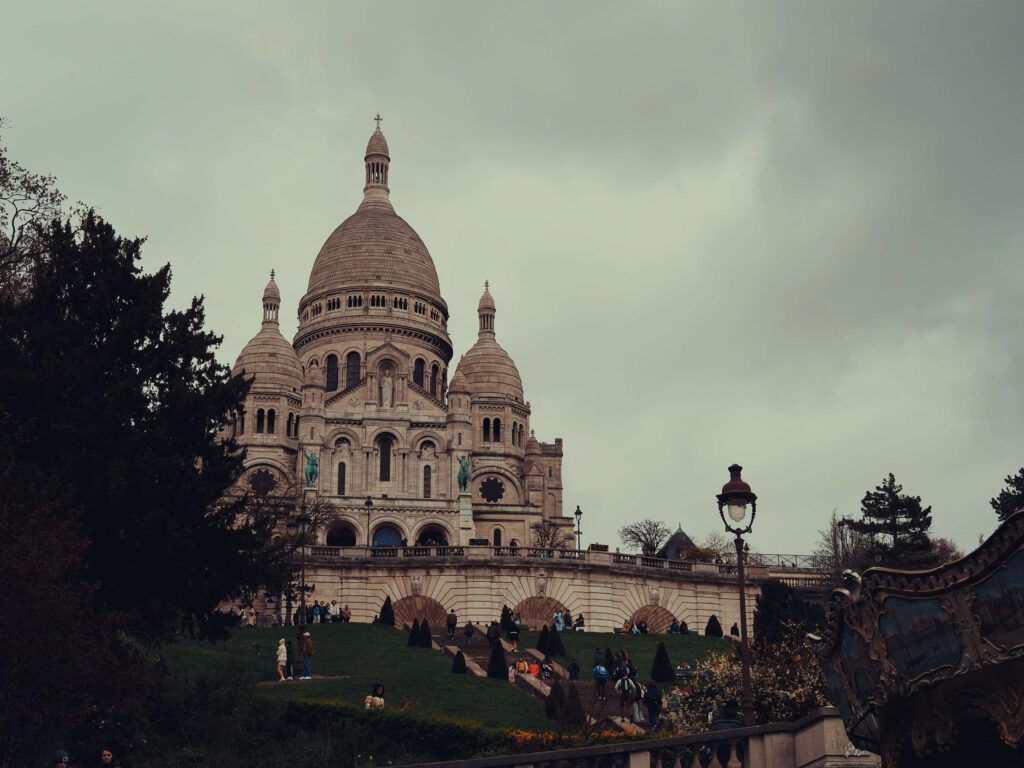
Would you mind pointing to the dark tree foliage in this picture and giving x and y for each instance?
(414, 634)
(1011, 498)
(555, 647)
(425, 639)
(459, 664)
(114, 407)
(897, 525)
(713, 628)
(556, 701)
(387, 613)
(609, 659)
(573, 714)
(661, 668)
(542, 639)
(67, 664)
(778, 606)
(497, 667)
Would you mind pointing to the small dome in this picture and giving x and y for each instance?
(488, 370)
(532, 445)
(271, 359)
(271, 292)
(377, 145)
(458, 384)
(486, 300)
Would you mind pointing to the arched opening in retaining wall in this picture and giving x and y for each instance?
(658, 619)
(420, 607)
(538, 611)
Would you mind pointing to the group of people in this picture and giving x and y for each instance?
(626, 680)
(563, 621)
(286, 657)
(322, 613)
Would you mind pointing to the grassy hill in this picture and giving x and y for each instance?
(359, 655)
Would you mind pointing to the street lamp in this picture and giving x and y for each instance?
(579, 531)
(733, 501)
(299, 524)
(369, 505)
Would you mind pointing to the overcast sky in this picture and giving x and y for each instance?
(787, 235)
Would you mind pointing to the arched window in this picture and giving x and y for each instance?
(290, 425)
(426, 482)
(271, 421)
(332, 373)
(296, 426)
(341, 478)
(387, 536)
(384, 447)
(341, 535)
(487, 430)
(497, 430)
(259, 422)
(417, 373)
(497, 537)
(433, 380)
(351, 369)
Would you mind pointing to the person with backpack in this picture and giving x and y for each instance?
(493, 634)
(600, 674)
(652, 699)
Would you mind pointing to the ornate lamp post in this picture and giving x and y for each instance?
(579, 531)
(733, 500)
(299, 524)
(369, 505)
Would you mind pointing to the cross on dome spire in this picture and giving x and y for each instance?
(378, 118)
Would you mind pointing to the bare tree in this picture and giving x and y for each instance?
(841, 548)
(645, 535)
(547, 535)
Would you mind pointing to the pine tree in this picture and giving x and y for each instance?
(555, 647)
(425, 640)
(459, 665)
(542, 639)
(713, 628)
(497, 667)
(897, 525)
(1011, 498)
(414, 634)
(387, 613)
(661, 669)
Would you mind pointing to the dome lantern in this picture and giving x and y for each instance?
(271, 301)
(378, 165)
(486, 310)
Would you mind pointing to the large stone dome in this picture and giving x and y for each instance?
(268, 356)
(375, 246)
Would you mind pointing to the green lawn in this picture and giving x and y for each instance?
(641, 648)
(366, 654)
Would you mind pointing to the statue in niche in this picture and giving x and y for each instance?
(312, 467)
(464, 473)
(387, 390)
(428, 451)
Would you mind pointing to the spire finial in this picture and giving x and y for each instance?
(378, 118)
(487, 284)
(271, 274)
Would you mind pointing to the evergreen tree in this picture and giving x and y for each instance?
(542, 639)
(387, 613)
(573, 714)
(779, 604)
(897, 525)
(1011, 498)
(113, 407)
(713, 628)
(425, 640)
(497, 667)
(661, 669)
(459, 665)
(414, 634)
(555, 647)
(556, 701)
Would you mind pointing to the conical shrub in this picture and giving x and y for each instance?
(661, 669)
(555, 646)
(425, 641)
(387, 613)
(414, 634)
(555, 702)
(714, 628)
(459, 665)
(542, 639)
(573, 714)
(497, 667)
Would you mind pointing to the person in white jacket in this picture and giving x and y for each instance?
(282, 659)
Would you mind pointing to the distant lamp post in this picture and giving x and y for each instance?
(299, 524)
(579, 531)
(369, 505)
(732, 506)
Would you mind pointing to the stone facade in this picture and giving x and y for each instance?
(363, 391)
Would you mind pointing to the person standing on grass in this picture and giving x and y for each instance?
(282, 659)
(307, 657)
(451, 621)
(376, 698)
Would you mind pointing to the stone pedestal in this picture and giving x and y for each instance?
(466, 528)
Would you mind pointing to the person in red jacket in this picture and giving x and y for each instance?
(307, 657)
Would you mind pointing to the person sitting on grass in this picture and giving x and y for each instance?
(376, 698)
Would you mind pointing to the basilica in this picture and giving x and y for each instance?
(360, 413)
